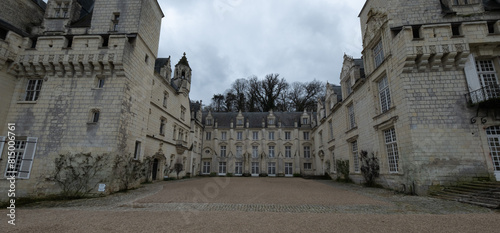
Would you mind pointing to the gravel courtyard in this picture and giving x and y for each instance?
(239, 204)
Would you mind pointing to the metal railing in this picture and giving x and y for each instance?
(483, 94)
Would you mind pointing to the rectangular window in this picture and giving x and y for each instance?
(183, 112)
(100, 82)
(271, 121)
(115, 22)
(392, 150)
(288, 135)
(271, 151)
(306, 135)
(255, 168)
(307, 166)
(239, 136)
(334, 163)
(239, 122)
(355, 156)
(352, 117)
(137, 151)
(162, 126)
(288, 169)
(488, 79)
(348, 87)
(222, 151)
(238, 168)
(288, 151)
(307, 152)
(222, 168)
(19, 147)
(493, 135)
(384, 94)
(223, 136)
(255, 135)
(330, 125)
(271, 168)
(378, 54)
(271, 135)
(24, 153)
(209, 121)
(165, 99)
(239, 151)
(94, 117)
(208, 136)
(206, 167)
(33, 90)
(255, 152)
(305, 121)
(2, 143)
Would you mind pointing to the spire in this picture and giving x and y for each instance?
(183, 61)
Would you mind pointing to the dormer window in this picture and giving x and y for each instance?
(305, 121)
(378, 54)
(209, 122)
(271, 121)
(183, 74)
(239, 122)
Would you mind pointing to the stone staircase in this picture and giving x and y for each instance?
(481, 193)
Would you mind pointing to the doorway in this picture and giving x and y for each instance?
(155, 169)
(493, 133)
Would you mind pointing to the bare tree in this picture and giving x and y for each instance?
(269, 91)
(304, 96)
(218, 102)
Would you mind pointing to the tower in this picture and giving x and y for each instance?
(182, 75)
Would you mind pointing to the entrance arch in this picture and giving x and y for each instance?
(155, 169)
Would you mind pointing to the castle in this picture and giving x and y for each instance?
(83, 76)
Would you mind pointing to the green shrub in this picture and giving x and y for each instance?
(213, 174)
(343, 169)
(297, 175)
(229, 174)
(369, 168)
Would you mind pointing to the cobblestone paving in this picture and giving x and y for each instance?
(255, 205)
(395, 203)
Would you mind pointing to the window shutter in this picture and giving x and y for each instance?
(471, 74)
(27, 162)
(2, 143)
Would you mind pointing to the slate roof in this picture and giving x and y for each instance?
(287, 119)
(160, 62)
(85, 14)
(359, 62)
(491, 5)
(40, 3)
(338, 90)
(9, 27)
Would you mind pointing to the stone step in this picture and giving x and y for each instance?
(483, 204)
(486, 194)
(473, 196)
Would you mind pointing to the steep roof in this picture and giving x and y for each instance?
(183, 61)
(160, 62)
(287, 119)
(40, 3)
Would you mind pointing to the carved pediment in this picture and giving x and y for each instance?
(376, 19)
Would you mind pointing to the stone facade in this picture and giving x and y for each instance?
(411, 106)
(87, 79)
(259, 144)
(82, 76)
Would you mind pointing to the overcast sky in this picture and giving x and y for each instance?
(230, 39)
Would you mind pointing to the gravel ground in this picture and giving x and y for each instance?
(254, 205)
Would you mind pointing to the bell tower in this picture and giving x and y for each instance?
(182, 75)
